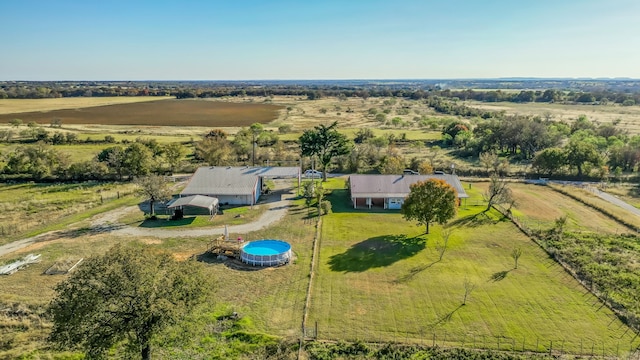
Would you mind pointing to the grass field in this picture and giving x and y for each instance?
(539, 206)
(13, 106)
(593, 200)
(379, 279)
(629, 115)
(29, 207)
(172, 112)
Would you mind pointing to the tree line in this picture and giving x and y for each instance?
(551, 147)
(414, 90)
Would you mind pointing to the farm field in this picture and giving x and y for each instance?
(629, 116)
(13, 106)
(379, 279)
(158, 113)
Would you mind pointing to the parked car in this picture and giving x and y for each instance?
(313, 174)
(439, 172)
(410, 172)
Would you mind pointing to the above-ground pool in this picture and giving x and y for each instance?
(266, 253)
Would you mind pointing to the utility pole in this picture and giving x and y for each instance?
(253, 147)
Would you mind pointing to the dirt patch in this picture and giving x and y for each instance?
(181, 256)
(150, 241)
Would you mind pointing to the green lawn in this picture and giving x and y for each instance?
(232, 216)
(379, 279)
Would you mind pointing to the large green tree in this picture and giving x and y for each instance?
(430, 200)
(549, 161)
(126, 296)
(325, 142)
(579, 153)
(215, 151)
(137, 159)
(173, 154)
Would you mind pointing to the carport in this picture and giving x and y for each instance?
(201, 201)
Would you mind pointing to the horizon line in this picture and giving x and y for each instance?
(507, 78)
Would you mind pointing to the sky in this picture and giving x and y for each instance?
(317, 39)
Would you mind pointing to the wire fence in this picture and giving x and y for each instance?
(557, 347)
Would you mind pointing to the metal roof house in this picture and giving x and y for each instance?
(235, 185)
(389, 191)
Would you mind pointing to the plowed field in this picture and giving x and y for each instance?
(158, 113)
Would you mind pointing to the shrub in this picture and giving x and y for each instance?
(283, 129)
(325, 205)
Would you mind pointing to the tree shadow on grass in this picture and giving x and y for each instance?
(473, 220)
(446, 318)
(499, 276)
(413, 272)
(376, 252)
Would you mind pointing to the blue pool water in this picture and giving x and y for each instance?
(266, 247)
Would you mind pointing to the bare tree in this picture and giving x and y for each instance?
(441, 246)
(488, 159)
(498, 193)
(433, 153)
(515, 254)
(468, 289)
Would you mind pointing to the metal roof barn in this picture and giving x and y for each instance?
(235, 184)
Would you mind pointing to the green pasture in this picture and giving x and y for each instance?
(627, 116)
(379, 279)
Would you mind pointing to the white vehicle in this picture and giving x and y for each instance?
(313, 174)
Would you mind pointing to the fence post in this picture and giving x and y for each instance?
(550, 346)
(434, 339)
(593, 345)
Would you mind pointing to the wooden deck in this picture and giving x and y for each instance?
(230, 248)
